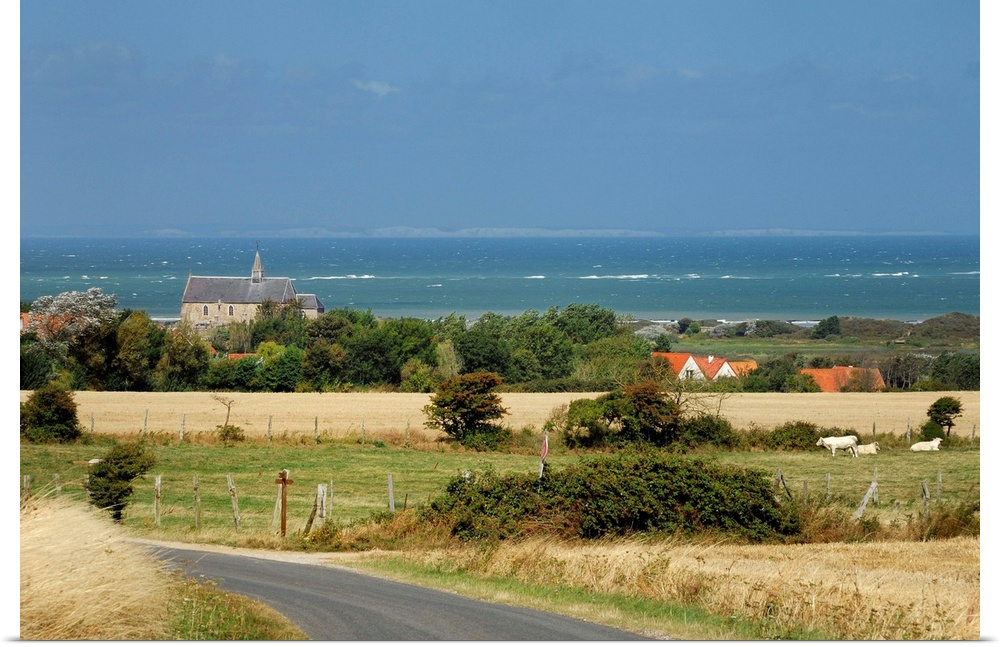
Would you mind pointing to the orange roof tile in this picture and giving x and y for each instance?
(710, 365)
(677, 360)
(833, 380)
(742, 368)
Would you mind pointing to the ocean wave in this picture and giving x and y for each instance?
(629, 277)
(536, 276)
(345, 277)
(891, 274)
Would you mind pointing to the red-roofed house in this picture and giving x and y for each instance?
(742, 368)
(841, 378)
(687, 366)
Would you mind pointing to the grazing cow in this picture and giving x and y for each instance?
(833, 443)
(926, 446)
(870, 448)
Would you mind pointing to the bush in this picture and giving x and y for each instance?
(708, 429)
(230, 435)
(49, 416)
(791, 435)
(465, 407)
(110, 483)
(931, 430)
(618, 495)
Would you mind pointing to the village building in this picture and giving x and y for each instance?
(693, 367)
(845, 378)
(211, 301)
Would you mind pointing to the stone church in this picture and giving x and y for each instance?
(211, 301)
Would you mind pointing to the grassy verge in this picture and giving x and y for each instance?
(93, 584)
(634, 613)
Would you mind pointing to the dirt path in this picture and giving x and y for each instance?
(392, 414)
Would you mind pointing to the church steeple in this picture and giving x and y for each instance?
(257, 274)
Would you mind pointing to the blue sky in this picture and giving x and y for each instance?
(326, 118)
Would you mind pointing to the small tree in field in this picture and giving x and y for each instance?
(49, 415)
(110, 483)
(467, 408)
(944, 411)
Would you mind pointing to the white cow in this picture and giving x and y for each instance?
(833, 443)
(926, 446)
(870, 448)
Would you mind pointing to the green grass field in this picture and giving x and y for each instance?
(359, 478)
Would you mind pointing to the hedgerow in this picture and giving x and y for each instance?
(613, 496)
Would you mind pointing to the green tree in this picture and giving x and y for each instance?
(615, 358)
(641, 412)
(323, 364)
(826, 327)
(184, 360)
(662, 343)
(957, 370)
(468, 409)
(110, 482)
(284, 372)
(39, 364)
(139, 343)
(584, 324)
(50, 415)
(944, 411)
(481, 350)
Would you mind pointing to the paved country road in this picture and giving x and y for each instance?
(332, 603)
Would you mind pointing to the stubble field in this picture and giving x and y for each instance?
(390, 414)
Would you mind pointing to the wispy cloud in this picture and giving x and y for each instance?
(378, 88)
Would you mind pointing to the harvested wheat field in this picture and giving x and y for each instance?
(391, 414)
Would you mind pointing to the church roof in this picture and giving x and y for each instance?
(227, 289)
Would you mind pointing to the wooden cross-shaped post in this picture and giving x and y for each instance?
(284, 482)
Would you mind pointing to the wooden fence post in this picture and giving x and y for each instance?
(939, 487)
(392, 500)
(927, 499)
(875, 481)
(183, 417)
(284, 481)
(319, 507)
(157, 483)
(26, 487)
(407, 432)
(779, 478)
(58, 485)
(276, 514)
(270, 419)
(329, 501)
(321, 496)
(92, 423)
(805, 491)
(316, 429)
(197, 504)
(234, 500)
(145, 422)
(864, 502)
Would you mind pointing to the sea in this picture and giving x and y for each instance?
(735, 278)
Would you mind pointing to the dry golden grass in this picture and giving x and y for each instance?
(381, 415)
(82, 580)
(868, 591)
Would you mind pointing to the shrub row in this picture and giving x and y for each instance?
(615, 495)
